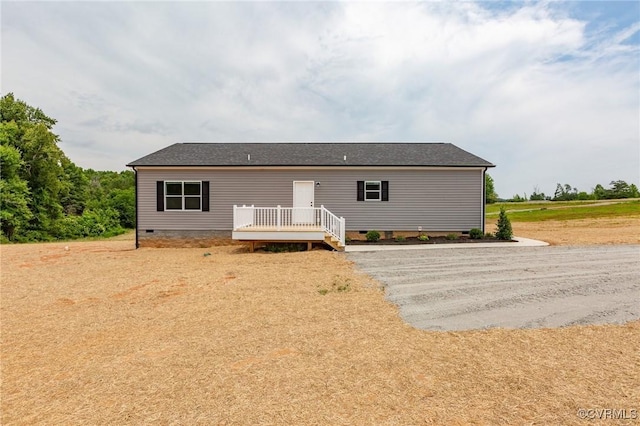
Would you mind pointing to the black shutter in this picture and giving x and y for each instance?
(385, 190)
(160, 195)
(360, 190)
(205, 195)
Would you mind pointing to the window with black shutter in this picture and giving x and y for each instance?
(373, 190)
(182, 195)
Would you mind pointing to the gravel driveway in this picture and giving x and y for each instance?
(523, 287)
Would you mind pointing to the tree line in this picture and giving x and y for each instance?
(617, 189)
(43, 195)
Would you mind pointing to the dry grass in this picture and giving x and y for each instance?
(104, 334)
(579, 232)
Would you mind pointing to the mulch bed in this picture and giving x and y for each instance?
(432, 240)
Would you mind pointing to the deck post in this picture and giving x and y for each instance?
(342, 231)
(278, 218)
(235, 217)
(322, 219)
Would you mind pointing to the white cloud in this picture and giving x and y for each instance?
(525, 87)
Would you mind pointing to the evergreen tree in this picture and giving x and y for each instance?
(503, 226)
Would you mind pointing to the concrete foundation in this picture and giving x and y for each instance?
(170, 238)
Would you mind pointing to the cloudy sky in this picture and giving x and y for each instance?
(548, 91)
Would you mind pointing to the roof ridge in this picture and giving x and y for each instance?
(312, 142)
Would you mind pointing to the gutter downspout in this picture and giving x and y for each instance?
(484, 201)
(135, 175)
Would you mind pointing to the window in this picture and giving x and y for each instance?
(183, 195)
(373, 190)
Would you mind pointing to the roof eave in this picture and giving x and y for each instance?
(311, 165)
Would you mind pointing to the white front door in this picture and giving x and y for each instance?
(303, 211)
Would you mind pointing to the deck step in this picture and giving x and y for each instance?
(333, 242)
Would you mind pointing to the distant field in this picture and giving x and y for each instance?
(569, 210)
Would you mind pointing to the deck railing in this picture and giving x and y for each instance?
(289, 219)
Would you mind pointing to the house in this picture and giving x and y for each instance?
(190, 192)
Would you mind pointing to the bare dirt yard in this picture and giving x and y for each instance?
(625, 230)
(105, 334)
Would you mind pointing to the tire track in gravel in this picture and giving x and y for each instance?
(520, 287)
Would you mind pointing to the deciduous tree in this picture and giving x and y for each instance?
(43, 194)
(14, 193)
(489, 190)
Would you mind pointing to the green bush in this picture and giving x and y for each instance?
(476, 234)
(400, 238)
(503, 227)
(423, 237)
(123, 201)
(373, 236)
(452, 236)
(92, 223)
(67, 228)
(284, 247)
(32, 235)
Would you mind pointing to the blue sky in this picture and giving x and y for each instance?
(548, 91)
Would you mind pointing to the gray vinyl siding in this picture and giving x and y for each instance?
(436, 200)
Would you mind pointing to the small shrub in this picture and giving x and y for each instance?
(284, 247)
(273, 248)
(452, 236)
(476, 234)
(32, 235)
(400, 238)
(423, 237)
(373, 236)
(489, 235)
(347, 239)
(503, 227)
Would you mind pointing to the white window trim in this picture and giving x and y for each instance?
(379, 190)
(182, 197)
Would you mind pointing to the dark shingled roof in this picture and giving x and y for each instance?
(390, 154)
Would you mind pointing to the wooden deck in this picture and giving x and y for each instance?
(264, 234)
(297, 228)
(286, 224)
